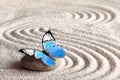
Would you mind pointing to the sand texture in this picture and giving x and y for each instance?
(88, 30)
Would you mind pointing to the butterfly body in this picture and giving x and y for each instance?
(50, 50)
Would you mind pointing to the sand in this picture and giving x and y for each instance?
(88, 30)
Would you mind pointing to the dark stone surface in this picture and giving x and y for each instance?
(31, 63)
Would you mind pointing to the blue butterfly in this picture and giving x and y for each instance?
(50, 50)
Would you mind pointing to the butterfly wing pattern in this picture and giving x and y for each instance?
(50, 50)
(49, 46)
(39, 55)
(46, 59)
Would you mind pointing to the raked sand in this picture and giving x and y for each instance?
(88, 30)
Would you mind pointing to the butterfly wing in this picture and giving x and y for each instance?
(39, 55)
(27, 51)
(57, 52)
(48, 37)
(50, 46)
(54, 50)
(46, 59)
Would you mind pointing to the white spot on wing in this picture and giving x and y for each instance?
(29, 51)
(47, 37)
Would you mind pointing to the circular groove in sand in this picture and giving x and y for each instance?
(87, 54)
(83, 41)
(92, 14)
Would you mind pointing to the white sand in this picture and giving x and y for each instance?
(89, 31)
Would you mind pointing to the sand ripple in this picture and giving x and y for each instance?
(89, 55)
(93, 14)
